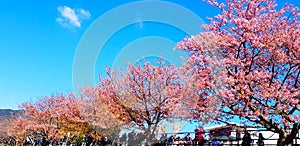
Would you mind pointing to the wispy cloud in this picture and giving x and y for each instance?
(72, 17)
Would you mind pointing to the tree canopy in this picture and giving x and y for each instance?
(248, 61)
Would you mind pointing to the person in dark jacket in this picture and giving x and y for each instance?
(105, 141)
(188, 139)
(170, 140)
(246, 139)
(260, 141)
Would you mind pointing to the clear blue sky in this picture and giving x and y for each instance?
(37, 49)
(38, 42)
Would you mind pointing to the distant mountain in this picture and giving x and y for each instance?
(9, 112)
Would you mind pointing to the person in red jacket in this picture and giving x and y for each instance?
(199, 136)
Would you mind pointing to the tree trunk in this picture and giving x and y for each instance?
(285, 140)
(150, 137)
(280, 142)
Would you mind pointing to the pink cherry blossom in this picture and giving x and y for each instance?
(246, 64)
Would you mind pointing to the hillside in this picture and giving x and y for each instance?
(9, 112)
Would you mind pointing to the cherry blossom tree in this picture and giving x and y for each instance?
(5, 123)
(247, 64)
(18, 130)
(143, 96)
(56, 117)
(96, 113)
(51, 118)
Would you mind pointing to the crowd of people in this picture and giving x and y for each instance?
(187, 140)
(247, 140)
(136, 139)
(87, 141)
(200, 140)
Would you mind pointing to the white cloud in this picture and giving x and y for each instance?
(72, 17)
(84, 14)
